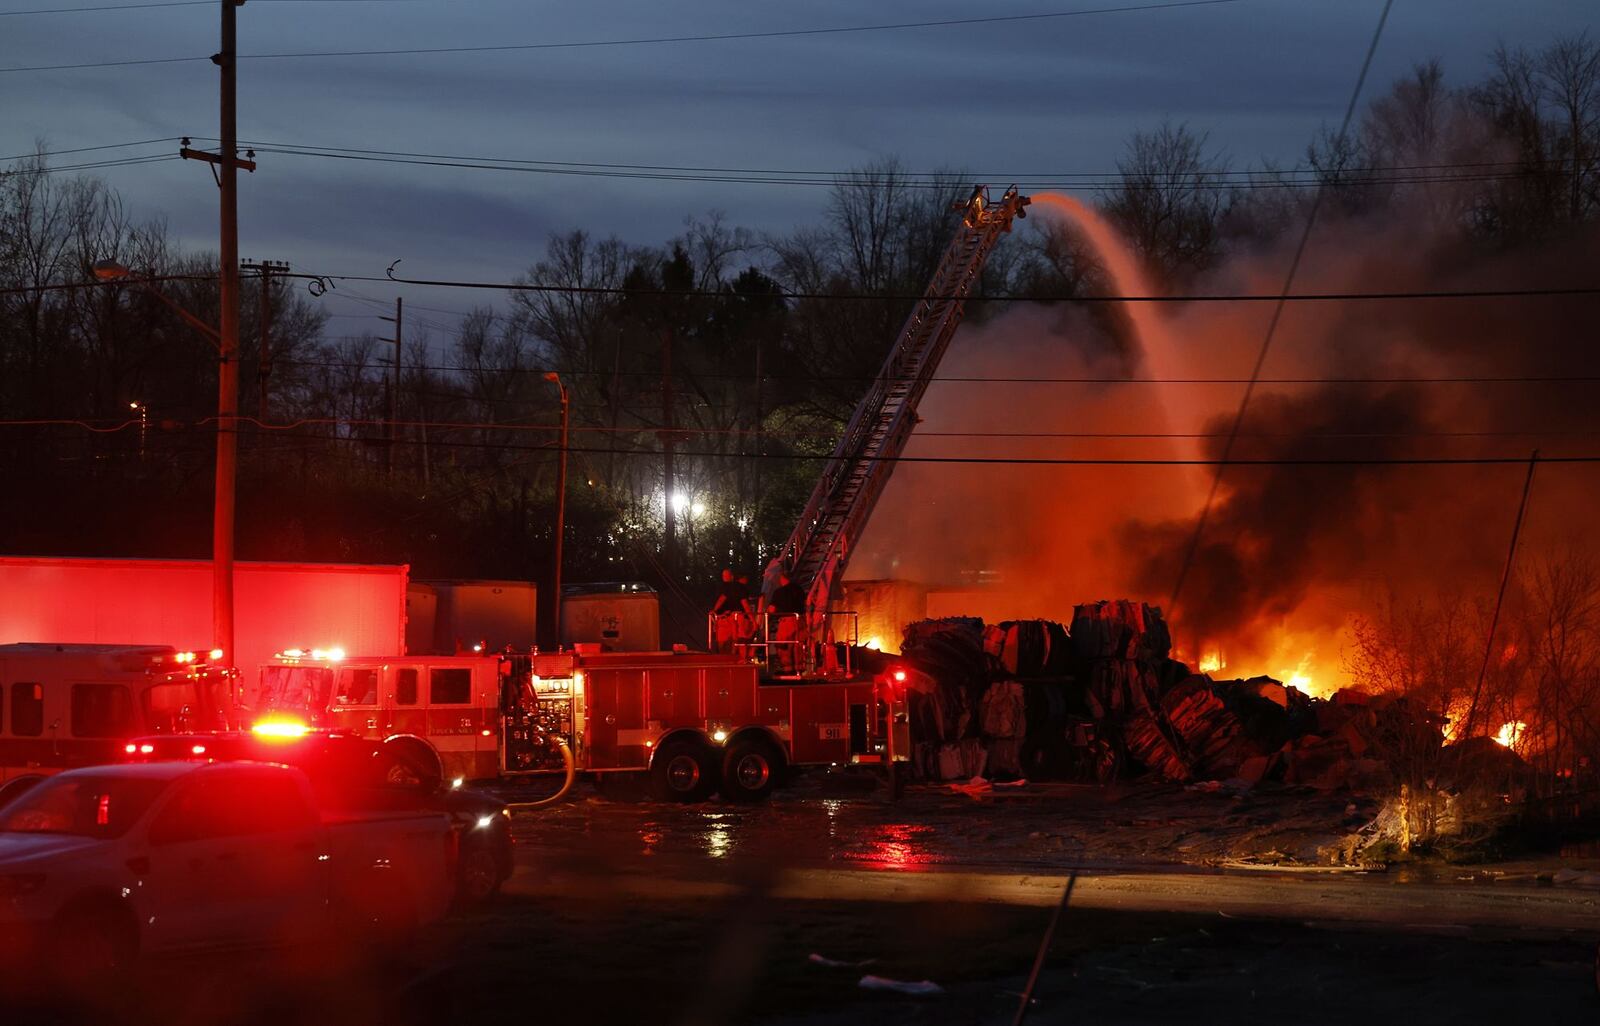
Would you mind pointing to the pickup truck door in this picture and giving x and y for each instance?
(233, 859)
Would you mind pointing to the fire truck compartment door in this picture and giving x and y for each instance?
(821, 726)
(615, 704)
(674, 696)
(730, 694)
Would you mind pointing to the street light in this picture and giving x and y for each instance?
(144, 424)
(227, 456)
(561, 504)
(110, 270)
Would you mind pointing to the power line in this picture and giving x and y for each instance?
(846, 180)
(162, 3)
(728, 295)
(645, 41)
(91, 165)
(1309, 176)
(88, 149)
(1272, 325)
(609, 290)
(110, 7)
(986, 379)
(344, 422)
(940, 175)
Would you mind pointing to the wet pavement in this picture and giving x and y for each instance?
(849, 821)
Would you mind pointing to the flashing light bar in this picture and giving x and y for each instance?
(280, 729)
(331, 655)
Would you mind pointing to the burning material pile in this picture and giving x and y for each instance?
(1033, 699)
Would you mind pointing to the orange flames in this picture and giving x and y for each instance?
(1511, 734)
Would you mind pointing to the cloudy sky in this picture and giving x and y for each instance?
(1044, 96)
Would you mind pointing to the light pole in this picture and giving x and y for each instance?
(144, 424)
(561, 507)
(227, 453)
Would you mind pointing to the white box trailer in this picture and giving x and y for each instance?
(623, 616)
(464, 613)
(359, 608)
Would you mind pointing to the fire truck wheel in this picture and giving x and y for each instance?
(416, 758)
(684, 772)
(750, 770)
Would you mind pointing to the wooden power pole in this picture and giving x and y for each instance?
(225, 165)
(266, 269)
(398, 320)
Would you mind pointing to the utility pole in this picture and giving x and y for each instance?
(265, 268)
(671, 538)
(394, 386)
(561, 512)
(225, 166)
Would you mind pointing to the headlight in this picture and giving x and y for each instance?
(485, 821)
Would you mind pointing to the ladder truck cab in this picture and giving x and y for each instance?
(698, 724)
(64, 706)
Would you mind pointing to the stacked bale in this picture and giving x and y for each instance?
(1120, 652)
(943, 696)
(985, 700)
(1031, 698)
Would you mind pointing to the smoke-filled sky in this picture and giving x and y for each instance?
(1289, 553)
(1034, 97)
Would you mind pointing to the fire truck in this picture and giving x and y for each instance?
(63, 706)
(790, 692)
(696, 723)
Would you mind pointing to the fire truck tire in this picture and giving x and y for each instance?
(684, 771)
(419, 757)
(750, 770)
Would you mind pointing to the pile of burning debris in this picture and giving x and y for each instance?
(1104, 700)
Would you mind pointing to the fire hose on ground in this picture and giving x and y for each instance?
(571, 769)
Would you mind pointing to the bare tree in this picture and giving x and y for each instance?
(1171, 199)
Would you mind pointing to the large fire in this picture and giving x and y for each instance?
(1510, 734)
(1300, 676)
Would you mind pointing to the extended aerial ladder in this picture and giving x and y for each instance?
(816, 553)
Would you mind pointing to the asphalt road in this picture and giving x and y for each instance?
(638, 912)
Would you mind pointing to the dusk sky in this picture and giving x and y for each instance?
(1045, 96)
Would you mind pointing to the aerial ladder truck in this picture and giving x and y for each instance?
(697, 723)
(816, 554)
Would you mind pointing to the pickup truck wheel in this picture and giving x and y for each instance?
(382, 914)
(91, 948)
(750, 770)
(684, 772)
(478, 877)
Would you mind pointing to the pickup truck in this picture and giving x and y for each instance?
(102, 864)
(358, 774)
